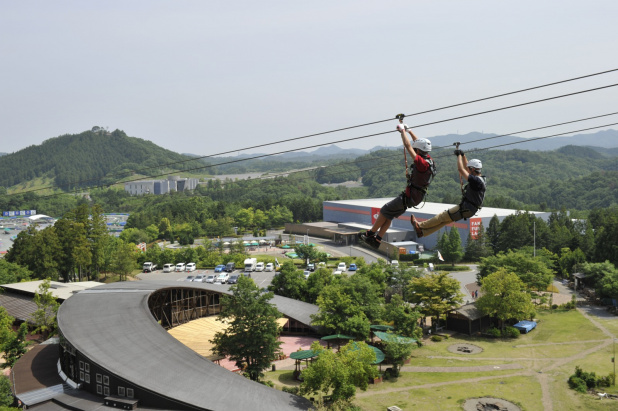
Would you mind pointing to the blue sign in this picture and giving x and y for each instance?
(18, 213)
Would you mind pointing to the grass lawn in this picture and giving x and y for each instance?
(558, 337)
(520, 390)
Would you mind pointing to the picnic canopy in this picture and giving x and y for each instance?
(298, 356)
(336, 337)
(378, 352)
(389, 337)
(381, 327)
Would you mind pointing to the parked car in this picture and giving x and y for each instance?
(337, 272)
(168, 268)
(180, 267)
(342, 267)
(269, 267)
(231, 266)
(222, 278)
(395, 264)
(352, 267)
(149, 267)
(190, 267)
(306, 274)
(219, 268)
(311, 267)
(233, 279)
(210, 278)
(199, 278)
(259, 266)
(189, 278)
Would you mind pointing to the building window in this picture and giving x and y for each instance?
(87, 378)
(81, 376)
(81, 365)
(87, 367)
(121, 391)
(99, 389)
(106, 391)
(130, 392)
(105, 380)
(99, 378)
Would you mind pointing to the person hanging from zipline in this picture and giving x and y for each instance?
(472, 197)
(419, 176)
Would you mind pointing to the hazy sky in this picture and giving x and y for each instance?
(206, 77)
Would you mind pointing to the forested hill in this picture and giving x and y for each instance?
(88, 159)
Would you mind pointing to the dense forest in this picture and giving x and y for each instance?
(88, 159)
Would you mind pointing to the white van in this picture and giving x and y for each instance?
(168, 268)
(269, 267)
(342, 267)
(190, 267)
(180, 267)
(395, 264)
(259, 266)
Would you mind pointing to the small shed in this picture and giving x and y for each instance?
(467, 319)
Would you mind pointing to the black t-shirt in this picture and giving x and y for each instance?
(475, 191)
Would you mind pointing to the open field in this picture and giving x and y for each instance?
(531, 371)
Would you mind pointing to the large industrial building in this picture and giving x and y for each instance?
(363, 213)
(172, 183)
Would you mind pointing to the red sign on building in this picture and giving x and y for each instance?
(375, 212)
(475, 226)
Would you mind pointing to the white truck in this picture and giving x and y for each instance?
(250, 264)
(149, 267)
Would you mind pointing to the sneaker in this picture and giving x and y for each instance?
(374, 242)
(370, 240)
(417, 228)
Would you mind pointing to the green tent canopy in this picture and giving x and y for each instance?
(379, 354)
(337, 337)
(381, 327)
(389, 337)
(302, 355)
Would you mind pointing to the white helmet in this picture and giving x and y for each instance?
(475, 163)
(422, 144)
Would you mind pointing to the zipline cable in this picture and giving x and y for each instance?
(368, 124)
(372, 159)
(366, 136)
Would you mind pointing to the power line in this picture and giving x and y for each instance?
(358, 138)
(357, 126)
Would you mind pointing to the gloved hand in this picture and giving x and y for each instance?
(402, 127)
(457, 152)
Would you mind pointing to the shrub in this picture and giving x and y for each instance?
(511, 332)
(494, 332)
(577, 384)
(554, 306)
(291, 390)
(436, 338)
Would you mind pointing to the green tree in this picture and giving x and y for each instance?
(534, 272)
(289, 282)
(340, 314)
(452, 250)
(6, 394)
(44, 317)
(251, 338)
(306, 253)
(493, 233)
(435, 294)
(123, 260)
(397, 352)
(404, 317)
(244, 218)
(13, 273)
(14, 346)
(342, 371)
(504, 297)
(316, 283)
(478, 247)
(569, 259)
(165, 229)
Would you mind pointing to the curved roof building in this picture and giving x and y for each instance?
(114, 342)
